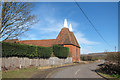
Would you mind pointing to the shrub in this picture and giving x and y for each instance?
(113, 57)
(112, 65)
(83, 58)
(60, 51)
(44, 52)
(22, 50)
(9, 49)
(31, 51)
(88, 58)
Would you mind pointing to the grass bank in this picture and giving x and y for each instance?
(23, 73)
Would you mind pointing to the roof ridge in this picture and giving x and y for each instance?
(74, 39)
(70, 37)
(38, 40)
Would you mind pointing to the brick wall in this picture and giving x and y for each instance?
(74, 52)
(78, 54)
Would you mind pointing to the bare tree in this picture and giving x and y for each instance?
(16, 18)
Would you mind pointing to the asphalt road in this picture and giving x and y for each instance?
(78, 71)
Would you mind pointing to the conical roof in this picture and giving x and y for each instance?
(74, 40)
(66, 37)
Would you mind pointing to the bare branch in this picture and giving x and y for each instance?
(16, 19)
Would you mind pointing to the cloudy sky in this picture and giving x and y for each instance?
(52, 14)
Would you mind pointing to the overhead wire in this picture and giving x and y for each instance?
(92, 24)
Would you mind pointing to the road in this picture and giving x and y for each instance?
(78, 71)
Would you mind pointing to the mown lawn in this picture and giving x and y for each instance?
(23, 73)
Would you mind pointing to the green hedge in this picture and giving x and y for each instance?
(60, 51)
(44, 52)
(22, 50)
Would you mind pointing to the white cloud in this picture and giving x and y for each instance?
(48, 25)
(74, 25)
(86, 45)
(29, 37)
(52, 25)
(82, 40)
(85, 49)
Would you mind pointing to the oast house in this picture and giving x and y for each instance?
(65, 38)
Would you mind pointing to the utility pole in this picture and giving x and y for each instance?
(115, 48)
(105, 51)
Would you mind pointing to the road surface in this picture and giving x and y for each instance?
(78, 71)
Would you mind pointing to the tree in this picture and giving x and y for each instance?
(16, 18)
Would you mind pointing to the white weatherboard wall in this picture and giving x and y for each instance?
(18, 63)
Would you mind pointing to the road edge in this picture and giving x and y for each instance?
(101, 75)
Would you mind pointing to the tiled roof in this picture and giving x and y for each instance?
(66, 37)
(44, 43)
(11, 40)
(74, 40)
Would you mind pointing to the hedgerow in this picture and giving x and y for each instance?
(44, 52)
(60, 51)
(22, 50)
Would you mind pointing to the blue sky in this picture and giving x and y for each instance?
(52, 14)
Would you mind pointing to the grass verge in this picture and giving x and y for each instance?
(23, 73)
(28, 72)
(107, 76)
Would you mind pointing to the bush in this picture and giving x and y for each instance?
(88, 58)
(44, 52)
(113, 57)
(83, 58)
(31, 51)
(109, 68)
(60, 51)
(112, 64)
(22, 50)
